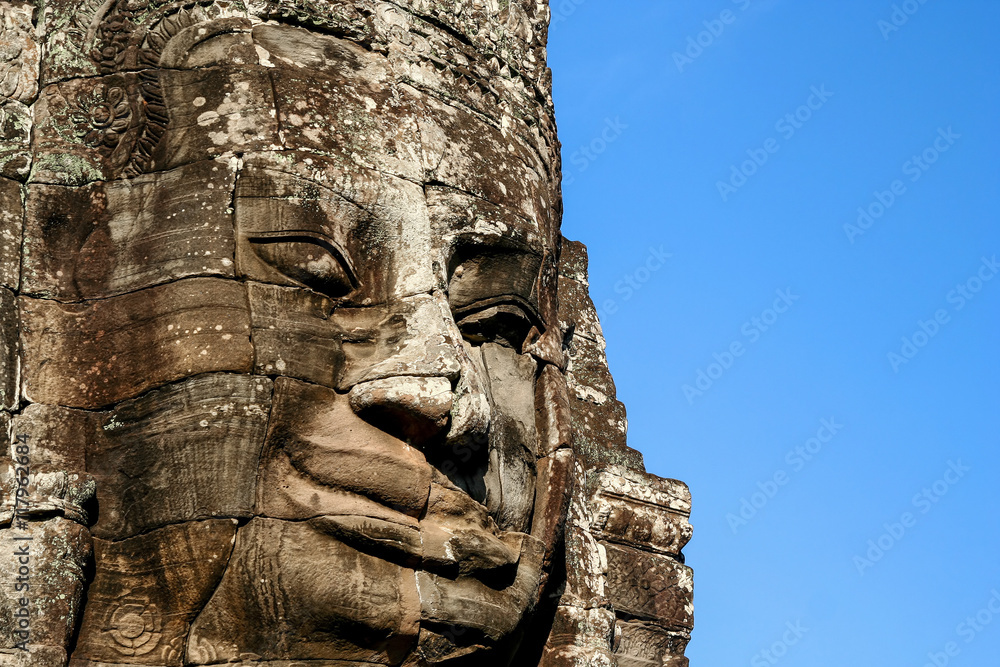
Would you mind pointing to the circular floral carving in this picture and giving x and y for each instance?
(100, 116)
(134, 625)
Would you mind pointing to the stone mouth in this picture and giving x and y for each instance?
(432, 544)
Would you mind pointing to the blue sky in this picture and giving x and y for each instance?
(875, 345)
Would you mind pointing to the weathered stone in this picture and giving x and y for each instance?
(573, 261)
(34, 655)
(434, 648)
(66, 26)
(367, 612)
(553, 415)
(455, 213)
(503, 178)
(284, 317)
(577, 311)
(651, 587)
(86, 129)
(459, 536)
(105, 239)
(599, 435)
(31, 491)
(510, 494)
(9, 364)
(116, 348)
(318, 460)
(640, 510)
(279, 214)
(187, 451)
(587, 375)
(293, 334)
(15, 140)
(339, 105)
(469, 602)
(580, 637)
(640, 644)
(148, 589)
(11, 222)
(59, 436)
(19, 52)
(54, 554)
(554, 492)
(215, 111)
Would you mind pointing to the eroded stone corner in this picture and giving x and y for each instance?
(629, 598)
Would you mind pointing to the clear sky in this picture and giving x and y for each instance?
(818, 356)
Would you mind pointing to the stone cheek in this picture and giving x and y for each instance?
(114, 349)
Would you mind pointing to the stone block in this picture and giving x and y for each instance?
(56, 553)
(148, 589)
(650, 587)
(640, 644)
(187, 451)
(640, 510)
(91, 355)
(105, 239)
(9, 350)
(277, 601)
(11, 224)
(15, 140)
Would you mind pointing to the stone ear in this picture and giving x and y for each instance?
(202, 43)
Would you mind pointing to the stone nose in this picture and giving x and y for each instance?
(416, 410)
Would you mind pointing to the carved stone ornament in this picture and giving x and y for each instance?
(296, 368)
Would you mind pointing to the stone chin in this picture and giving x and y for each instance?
(363, 551)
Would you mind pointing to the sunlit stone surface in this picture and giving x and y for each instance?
(295, 366)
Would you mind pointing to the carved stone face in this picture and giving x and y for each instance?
(398, 478)
(308, 340)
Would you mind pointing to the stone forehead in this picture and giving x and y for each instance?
(484, 59)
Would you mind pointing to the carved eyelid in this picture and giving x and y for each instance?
(322, 240)
(504, 299)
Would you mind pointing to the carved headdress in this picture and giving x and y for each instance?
(488, 55)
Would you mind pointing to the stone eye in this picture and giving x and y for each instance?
(309, 260)
(504, 320)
